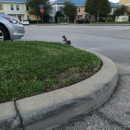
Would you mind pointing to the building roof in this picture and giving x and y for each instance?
(17, 1)
(82, 2)
(113, 4)
(76, 2)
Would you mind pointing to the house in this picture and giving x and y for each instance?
(2, 7)
(15, 8)
(19, 9)
(80, 4)
(125, 2)
(114, 6)
(58, 4)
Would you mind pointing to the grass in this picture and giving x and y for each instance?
(32, 67)
(104, 23)
(110, 23)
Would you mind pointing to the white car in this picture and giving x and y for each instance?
(10, 28)
(25, 22)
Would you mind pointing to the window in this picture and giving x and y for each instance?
(1, 8)
(27, 8)
(17, 7)
(11, 7)
(78, 9)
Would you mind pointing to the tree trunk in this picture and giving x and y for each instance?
(37, 19)
(68, 19)
(98, 17)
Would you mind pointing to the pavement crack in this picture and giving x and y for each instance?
(110, 121)
(21, 120)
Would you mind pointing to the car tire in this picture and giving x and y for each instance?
(3, 34)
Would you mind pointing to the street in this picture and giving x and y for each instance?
(110, 41)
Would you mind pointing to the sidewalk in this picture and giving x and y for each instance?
(45, 111)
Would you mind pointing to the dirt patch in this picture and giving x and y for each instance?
(72, 76)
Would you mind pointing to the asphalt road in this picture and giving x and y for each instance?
(111, 41)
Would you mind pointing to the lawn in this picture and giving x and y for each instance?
(104, 23)
(110, 23)
(32, 67)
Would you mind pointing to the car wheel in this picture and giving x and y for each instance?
(3, 34)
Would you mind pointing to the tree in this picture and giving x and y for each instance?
(124, 9)
(35, 9)
(58, 14)
(121, 10)
(70, 10)
(96, 7)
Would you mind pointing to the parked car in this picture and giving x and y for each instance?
(10, 28)
(25, 22)
(84, 20)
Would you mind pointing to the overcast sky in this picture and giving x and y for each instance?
(115, 1)
(109, 0)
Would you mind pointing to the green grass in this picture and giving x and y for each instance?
(110, 23)
(32, 67)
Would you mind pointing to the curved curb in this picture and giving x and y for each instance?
(51, 109)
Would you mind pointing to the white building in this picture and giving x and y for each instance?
(56, 6)
(15, 8)
(114, 6)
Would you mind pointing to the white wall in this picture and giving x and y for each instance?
(55, 7)
(21, 12)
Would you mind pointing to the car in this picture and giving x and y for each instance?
(25, 22)
(10, 28)
(84, 20)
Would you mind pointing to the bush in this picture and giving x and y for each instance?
(45, 19)
(34, 21)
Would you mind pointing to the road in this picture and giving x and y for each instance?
(110, 41)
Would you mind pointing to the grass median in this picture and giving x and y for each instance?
(28, 68)
(111, 23)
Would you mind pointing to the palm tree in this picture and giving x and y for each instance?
(123, 9)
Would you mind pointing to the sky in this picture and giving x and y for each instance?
(115, 1)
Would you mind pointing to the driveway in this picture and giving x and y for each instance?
(110, 41)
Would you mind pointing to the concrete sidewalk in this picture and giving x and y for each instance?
(45, 111)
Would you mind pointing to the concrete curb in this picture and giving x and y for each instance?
(46, 111)
(91, 24)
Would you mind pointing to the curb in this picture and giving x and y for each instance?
(48, 110)
(90, 24)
